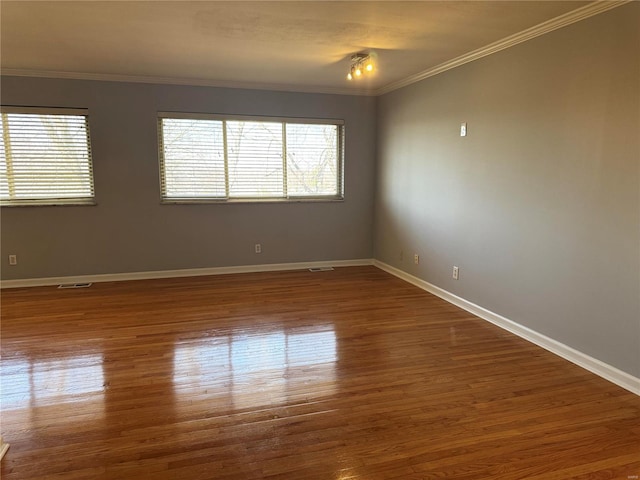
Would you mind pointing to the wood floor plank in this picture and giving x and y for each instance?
(345, 374)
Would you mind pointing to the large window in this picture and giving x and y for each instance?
(212, 158)
(45, 157)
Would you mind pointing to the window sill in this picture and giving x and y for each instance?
(224, 201)
(49, 203)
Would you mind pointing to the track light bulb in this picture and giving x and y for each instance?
(369, 67)
(349, 76)
(358, 72)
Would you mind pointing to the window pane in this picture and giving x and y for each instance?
(312, 159)
(255, 159)
(193, 158)
(45, 157)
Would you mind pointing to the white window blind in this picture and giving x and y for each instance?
(312, 159)
(45, 157)
(193, 160)
(255, 159)
(211, 158)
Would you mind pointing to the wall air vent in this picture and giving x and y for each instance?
(75, 285)
(321, 269)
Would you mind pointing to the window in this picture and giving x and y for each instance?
(211, 158)
(45, 158)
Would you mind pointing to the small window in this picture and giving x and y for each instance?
(211, 158)
(45, 157)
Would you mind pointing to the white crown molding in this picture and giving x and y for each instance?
(191, 272)
(192, 82)
(574, 16)
(604, 370)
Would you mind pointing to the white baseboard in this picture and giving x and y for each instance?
(606, 371)
(191, 272)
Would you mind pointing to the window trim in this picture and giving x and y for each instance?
(61, 201)
(340, 150)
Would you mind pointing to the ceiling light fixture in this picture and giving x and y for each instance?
(361, 63)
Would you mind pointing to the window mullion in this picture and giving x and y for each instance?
(163, 183)
(340, 159)
(284, 160)
(226, 159)
(8, 156)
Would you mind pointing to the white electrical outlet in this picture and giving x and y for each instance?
(456, 273)
(258, 248)
(13, 259)
(416, 258)
(463, 129)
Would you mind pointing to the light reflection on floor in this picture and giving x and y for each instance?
(257, 369)
(47, 382)
(242, 370)
(34, 392)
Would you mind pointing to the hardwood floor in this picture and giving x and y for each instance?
(348, 374)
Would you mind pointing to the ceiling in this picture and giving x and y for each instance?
(300, 46)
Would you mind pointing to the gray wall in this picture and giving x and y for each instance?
(130, 231)
(539, 205)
